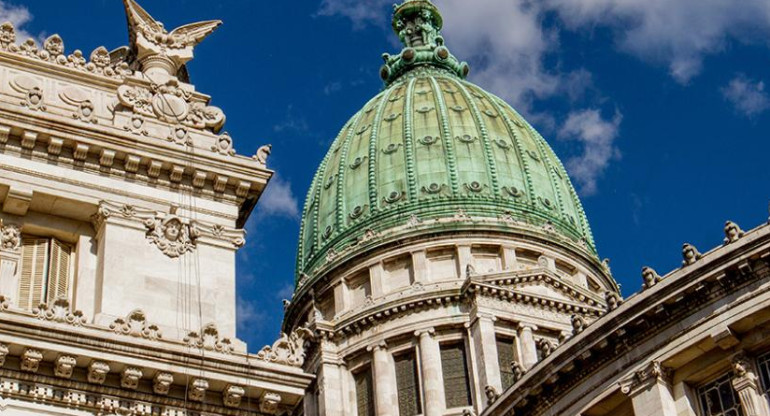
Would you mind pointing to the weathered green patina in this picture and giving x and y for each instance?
(432, 146)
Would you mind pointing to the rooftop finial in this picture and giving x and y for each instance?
(418, 25)
(158, 51)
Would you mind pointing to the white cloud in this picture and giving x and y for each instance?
(747, 96)
(677, 33)
(18, 16)
(278, 200)
(248, 315)
(597, 135)
(360, 12)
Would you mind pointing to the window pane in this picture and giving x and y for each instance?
(455, 368)
(505, 358)
(364, 398)
(764, 374)
(408, 389)
(719, 399)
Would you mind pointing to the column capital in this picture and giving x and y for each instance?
(527, 326)
(427, 332)
(653, 373)
(382, 345)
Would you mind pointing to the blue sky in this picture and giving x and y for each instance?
(659, 109)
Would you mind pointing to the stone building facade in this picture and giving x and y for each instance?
(123, 205)
(445, 264)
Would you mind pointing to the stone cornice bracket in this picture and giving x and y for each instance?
(30, 360)
(161, 383)
(269, 403)
(197, 389)
(655, 372)
(97, 372)
(232, 395)
(158, 51)
(4, 350)
(288, 349)
(64, 366)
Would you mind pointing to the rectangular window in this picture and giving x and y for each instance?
(764, 374)
(364, 392)
(456, 383)
(45, 271)
(408, 388)
(718, 398)
(505, 359)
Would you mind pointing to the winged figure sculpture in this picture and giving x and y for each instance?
(149, 37)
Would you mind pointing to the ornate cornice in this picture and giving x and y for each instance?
(639, 319)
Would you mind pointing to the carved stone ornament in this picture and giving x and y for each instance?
(654, 371)
(579, 324)
(162, 382)
(97, 372)
(690, 254)
(3, 353)
(733, 232)
(650, 277)
(209, 339)
(232, 395)
(269, 402)
(130, 378)
(172, 103)
(546, 347)
(224, 145)
(288, 349)
(30, 360)
(197, 390)
(171, 234)
(64, 366)
(613, 300)
(263, 153)
(60, 311)
(5, 303)
(10, 237)
(491, 393)
(518, 371)
(135, 324)
(741, 365)
(157, 49)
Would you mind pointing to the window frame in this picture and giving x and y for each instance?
(714, 383)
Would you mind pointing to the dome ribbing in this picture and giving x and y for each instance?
(433, 153)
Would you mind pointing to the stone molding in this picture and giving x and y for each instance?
(172, 234)
(644, 315)
(653, 372)
(289, 349)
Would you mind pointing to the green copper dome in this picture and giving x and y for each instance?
(432, 153)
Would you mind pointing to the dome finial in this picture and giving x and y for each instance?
(418, 25)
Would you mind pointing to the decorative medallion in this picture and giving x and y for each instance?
(475, 187)
(224, 146)
(327, 232)
(513, 191)
(392, 148)
(393, 197)
(490, 113)
(467, 139)
(356, 213)
(424, 110)
(433, 188)
(546, 202)
(329, 182)
(358, 162)
(428, 140)
(172, 235)
(363, 129)
(392, 117)
(457, 108)
(502, 144)
(533, 155)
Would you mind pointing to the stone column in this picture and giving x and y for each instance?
(650, 391)
(385, 391)
(746, 385)
(485, 346)
(432, 375)
(527, 348)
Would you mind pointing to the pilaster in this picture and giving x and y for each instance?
(484, 343)
(746, 384)
(650, 391)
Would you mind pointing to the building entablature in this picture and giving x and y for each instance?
(53, 355)
(682, 329)
(104, 118)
